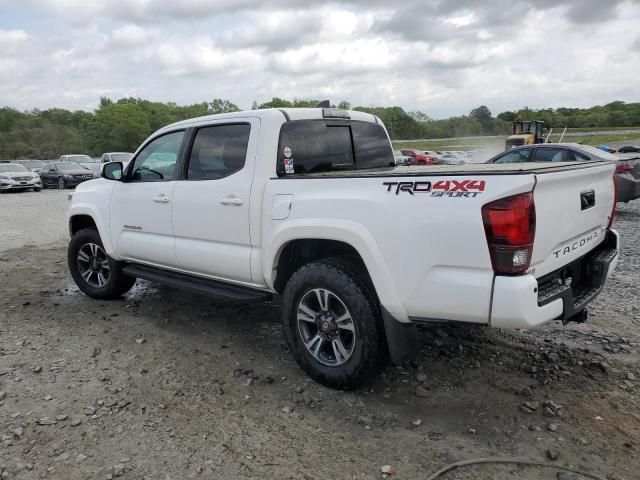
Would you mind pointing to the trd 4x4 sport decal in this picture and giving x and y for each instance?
(441, 188)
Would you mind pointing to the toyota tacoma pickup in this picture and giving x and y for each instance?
(302, 207)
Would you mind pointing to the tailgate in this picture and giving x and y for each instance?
(572, 214)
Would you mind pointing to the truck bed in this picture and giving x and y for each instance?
(444, 170)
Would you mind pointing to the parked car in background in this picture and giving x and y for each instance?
(606, 148)
(431, 153)
(629, 149)
(14, 176)
(123, 157)
(33, 165)
(64, 174)
(419, 158)
(75, 158)
(627, 174)
(451, 158)
(86, 161)
(401, 159)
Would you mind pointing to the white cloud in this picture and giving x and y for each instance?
(131, 35)
(440, 57)
(12, 38)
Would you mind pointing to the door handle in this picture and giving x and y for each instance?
(232, 200)
(162, 198)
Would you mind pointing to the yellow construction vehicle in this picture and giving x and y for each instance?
(526, 133)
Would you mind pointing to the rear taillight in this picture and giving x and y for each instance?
(623, 168)
(615, 203)
(510, 226)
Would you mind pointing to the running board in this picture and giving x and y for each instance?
(205, 286)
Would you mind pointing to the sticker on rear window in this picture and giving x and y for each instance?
(287, 152)
(288, 165)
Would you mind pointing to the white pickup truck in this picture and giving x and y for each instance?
(302, 206)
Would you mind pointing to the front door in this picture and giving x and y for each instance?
(211, 204)
(140, 213)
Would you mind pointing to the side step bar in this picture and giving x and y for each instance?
(205, 286)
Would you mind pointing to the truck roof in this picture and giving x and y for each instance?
(274, 113)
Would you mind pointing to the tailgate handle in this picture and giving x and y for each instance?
(588, 199)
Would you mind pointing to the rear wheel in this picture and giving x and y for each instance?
(95, 273)
(332, 324)
(421, 162)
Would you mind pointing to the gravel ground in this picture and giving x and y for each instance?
(164, 384)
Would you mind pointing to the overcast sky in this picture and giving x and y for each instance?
(442, 57)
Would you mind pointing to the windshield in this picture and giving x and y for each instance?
(81, 158)
(70, 166)
(121, 157)
(12, 167)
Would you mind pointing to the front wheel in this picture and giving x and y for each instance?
(421, 162)
(332, 323)
(96, 274)
(37, 189)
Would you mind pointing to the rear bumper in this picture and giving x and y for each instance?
(526, 302)
(628, 187)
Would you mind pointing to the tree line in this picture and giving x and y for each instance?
(123, 124)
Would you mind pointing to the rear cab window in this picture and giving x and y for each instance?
(313, 146)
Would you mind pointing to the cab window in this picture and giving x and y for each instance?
(156, 162)
(218, 151)
(312, 146)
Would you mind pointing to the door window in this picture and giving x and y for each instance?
(218, 151)
(156, 162)
(550, 155)
(514, 156)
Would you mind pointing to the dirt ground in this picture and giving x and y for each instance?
(165, 384)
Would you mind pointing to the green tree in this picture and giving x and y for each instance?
(507, 116)
(219, 105)
(118, 127)
(483, 115)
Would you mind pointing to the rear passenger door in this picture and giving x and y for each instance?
(211, 201)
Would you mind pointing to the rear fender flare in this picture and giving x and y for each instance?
(349, 232)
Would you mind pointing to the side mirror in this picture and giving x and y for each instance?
(112, 171)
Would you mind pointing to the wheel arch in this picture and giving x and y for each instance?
(314, 239)
(85, 216)
(80, 221)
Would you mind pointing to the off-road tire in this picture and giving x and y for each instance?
(117, 283)
(354, 289)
